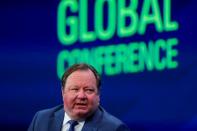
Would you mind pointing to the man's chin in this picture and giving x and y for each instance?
(81, 113)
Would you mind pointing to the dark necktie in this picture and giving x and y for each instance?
(72, 123)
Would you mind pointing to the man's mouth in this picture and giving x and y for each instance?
(81, 105)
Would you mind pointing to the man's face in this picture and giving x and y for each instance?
(80, 94)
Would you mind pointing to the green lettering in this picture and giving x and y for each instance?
(84, 34)
(153, 18)
(160, 63)
(64, 37)
(171, 53)
(127, 12)
(105, 34)
(168, 24)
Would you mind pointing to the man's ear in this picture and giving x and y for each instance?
(62, 90)
(98, 100)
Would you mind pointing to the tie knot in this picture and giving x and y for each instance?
(72, 123)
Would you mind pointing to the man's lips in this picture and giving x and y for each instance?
(81, 105)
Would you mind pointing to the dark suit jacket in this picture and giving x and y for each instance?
(52, 119)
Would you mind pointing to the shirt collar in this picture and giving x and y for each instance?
(67, 118)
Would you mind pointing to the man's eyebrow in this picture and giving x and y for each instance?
(89, 87)
(75, 86)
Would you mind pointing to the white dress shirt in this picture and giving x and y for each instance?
(66, 125)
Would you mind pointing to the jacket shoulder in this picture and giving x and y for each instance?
(112, 123)
(50, 111)
(42, 119)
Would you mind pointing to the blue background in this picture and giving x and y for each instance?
(145, 101)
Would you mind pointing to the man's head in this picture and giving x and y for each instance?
(80, 91)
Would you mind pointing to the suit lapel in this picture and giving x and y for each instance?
(92, 123)
(56, 121)
(89, 127)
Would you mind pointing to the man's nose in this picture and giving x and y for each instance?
(81, 94)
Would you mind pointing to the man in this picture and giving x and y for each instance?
(81, 110)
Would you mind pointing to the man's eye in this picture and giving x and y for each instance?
(89, 90)
(74, 89)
